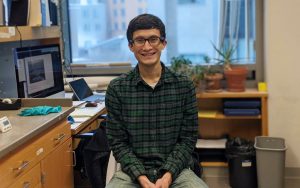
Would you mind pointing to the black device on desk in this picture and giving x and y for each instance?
(91, 104)
(83, 92)
(10, 104)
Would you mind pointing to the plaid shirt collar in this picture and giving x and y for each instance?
(166, 75)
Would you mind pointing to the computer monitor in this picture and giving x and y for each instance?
(39, 71)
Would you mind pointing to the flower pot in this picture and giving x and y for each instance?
(236, 78)
(213, 82)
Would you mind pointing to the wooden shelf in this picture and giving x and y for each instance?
(29, 33)
(249, 93)
(214, 124)
(220, 115)
(214, 164)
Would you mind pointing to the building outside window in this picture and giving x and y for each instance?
(192, 26)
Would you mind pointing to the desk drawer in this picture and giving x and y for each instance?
(30, 179)
(23, 159)
(56, 136)
(92, 126)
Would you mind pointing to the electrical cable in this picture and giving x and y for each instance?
(21, 40)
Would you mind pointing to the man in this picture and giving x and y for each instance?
(152, 116)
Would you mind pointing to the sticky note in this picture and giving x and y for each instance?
(262, 86)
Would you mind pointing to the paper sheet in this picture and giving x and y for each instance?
(207, 113)
(211, 143)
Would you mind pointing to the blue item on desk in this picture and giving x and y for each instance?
(71, 119)
(40, 110)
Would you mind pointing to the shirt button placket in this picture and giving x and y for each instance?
(154, 116)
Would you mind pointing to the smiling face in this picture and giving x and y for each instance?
(147, 54)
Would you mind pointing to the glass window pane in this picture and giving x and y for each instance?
(191, 25)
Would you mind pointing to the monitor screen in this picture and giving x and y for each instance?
(38, 70)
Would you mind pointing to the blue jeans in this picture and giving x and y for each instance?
(186, 179)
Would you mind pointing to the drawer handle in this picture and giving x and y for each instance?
(59, 138)
(74, 159)
(23, 165)
(26, 184)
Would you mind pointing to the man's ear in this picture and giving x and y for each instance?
(164, 43)
(130, 46)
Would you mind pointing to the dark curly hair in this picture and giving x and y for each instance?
(145, 21)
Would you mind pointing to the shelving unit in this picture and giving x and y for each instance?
(217, 125)
(30, 33)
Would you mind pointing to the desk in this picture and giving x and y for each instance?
(86, 119)
(36, 147)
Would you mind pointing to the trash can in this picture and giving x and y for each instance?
(240, 154)
(270, 156)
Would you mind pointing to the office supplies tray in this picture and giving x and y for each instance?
(15, 105)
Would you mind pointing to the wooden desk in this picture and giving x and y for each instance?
(37, 152)
(89, 122)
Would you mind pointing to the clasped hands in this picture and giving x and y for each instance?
(164, 182)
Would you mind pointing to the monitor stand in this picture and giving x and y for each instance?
(57, 95)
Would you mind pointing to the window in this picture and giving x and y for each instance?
(86, 28)
(196, 24)
(140, 11)
(95, 14)
(115, 13)
(124, 28)
(85, 13)
(123, 12)
(116, 26)
(97, 27)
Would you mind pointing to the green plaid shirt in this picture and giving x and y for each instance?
(151, 131)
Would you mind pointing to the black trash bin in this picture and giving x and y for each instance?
(240, 154)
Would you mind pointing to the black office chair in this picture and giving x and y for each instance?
(92, 156)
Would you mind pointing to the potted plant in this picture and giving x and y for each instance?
(212, 76)
(184, 66)
(235, 75)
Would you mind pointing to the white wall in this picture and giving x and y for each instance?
(282, 71)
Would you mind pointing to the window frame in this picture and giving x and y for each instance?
(256, 71)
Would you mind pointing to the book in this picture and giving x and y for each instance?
(19, 12)
(53, 11)
(211, 143)
(6, 10)
(2, 20)
(35, 13)
(45, 13)
(241, 112)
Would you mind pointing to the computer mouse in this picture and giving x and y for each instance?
(91, 104)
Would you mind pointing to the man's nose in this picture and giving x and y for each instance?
(147, 45)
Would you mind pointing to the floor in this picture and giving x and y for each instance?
(214, 177)
(223, 183)
(218, 178)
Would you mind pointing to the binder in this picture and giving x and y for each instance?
(241, 112)
(45, 13)
(6, 10)
(35, 13)
(242, 103)
(53, 12)
(19, 13)
(2, 13)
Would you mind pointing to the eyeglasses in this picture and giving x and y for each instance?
(153, 41)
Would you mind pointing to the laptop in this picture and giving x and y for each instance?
(83, 92)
